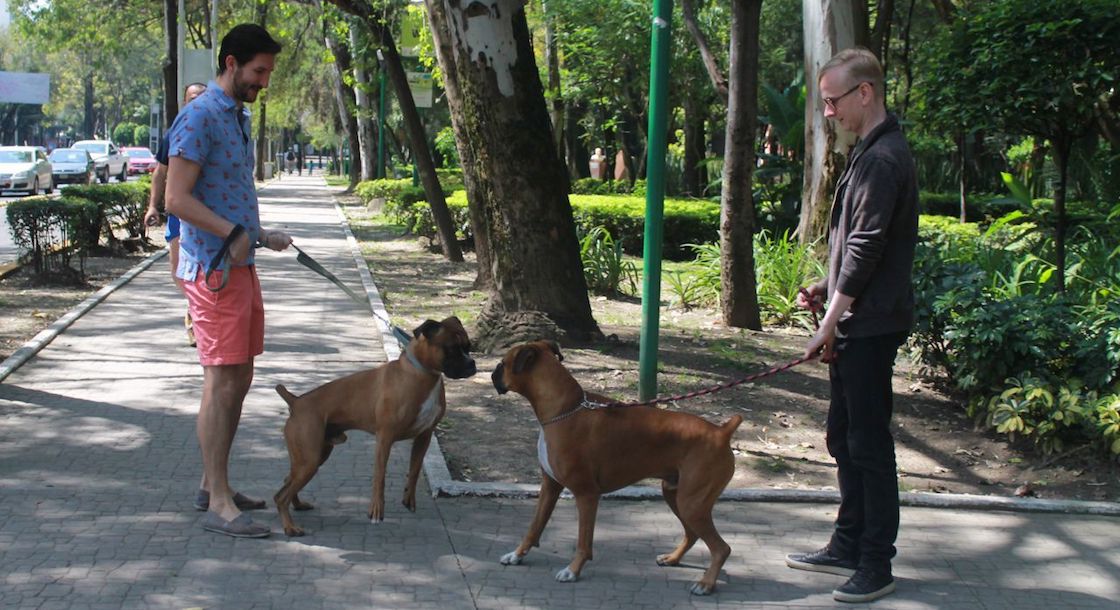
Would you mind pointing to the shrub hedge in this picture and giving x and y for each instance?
(51, 230)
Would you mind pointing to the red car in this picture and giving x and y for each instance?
(140, 160)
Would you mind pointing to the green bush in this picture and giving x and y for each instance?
(124, 134)
(122, 204)
(51, 230)
(685, 220)
(1031, 360)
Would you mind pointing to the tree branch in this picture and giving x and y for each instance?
(719, 81)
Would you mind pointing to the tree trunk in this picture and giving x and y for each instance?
(367, 136)
(738, 298)
(829, 27)
(694, 176)
(516, 184)
(1062, 146)
(89, 122)
(344, 100)
(556, 102)
(170, 67)
(714, 73)
(962, 148)
(262, 139)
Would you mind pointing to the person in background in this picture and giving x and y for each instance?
(155, 202)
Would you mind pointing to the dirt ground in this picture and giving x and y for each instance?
(487, 437)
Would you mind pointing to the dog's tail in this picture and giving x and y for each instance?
(728, 428)
(288, 396)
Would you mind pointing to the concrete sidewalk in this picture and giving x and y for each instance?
(99, 464)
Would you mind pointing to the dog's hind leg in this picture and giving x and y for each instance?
(669, 490)
(698, 496)
(332, 437)
(294, 482)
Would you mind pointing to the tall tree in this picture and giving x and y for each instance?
(367, 136)
(417, 138)
(516, 184)
(1036, 69)
(343, 95)
(739, 298)
(830, 26)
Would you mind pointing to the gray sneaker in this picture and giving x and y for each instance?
(822, 561)
(866, 585)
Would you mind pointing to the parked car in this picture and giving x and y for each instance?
(107, 159)
(140, 160)
(71, 165)
(25, 168)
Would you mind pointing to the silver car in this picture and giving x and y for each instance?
(71, 165)
(25, 168)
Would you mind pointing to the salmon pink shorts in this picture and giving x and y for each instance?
(228, 324)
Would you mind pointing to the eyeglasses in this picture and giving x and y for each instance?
(831, 101)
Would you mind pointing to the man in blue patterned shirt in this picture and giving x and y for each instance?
(210, 188)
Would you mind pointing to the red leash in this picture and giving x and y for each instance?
(814, 307)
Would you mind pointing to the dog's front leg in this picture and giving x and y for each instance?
(588, 507)
(377, 496)
(419, 448)
(546, 502)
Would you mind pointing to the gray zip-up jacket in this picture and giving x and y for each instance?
(873, 230)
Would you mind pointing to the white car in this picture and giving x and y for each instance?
(25, 168)
(107, 159)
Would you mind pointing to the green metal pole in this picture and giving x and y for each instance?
(655, 196)
(381, 124)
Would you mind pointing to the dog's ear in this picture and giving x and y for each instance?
(555, 347)
(429, 328)
(524, 359)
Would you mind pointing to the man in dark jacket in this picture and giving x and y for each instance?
(873, 229)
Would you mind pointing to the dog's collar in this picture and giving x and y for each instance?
(585, 403)
(415, 362)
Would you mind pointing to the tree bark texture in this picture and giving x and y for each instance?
(170, 67)
(738, 297)
(516, 183)
(719, 81)
(344, 99)
(367, 137)
(417, 138)
(829, 27)
(262, 116)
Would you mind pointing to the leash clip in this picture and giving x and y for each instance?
(591, 405)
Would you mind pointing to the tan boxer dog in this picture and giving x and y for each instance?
(399, 400)
(592, 451)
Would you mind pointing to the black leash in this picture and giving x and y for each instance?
(220, 262)
(302, 258)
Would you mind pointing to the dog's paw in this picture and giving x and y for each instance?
(512, 559)
(376, 520)
(566, 575)
(294, 531)
(699, 588)
(667, 560)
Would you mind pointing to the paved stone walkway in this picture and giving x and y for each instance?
(99, 463)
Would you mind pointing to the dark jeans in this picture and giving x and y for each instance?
(859, 438)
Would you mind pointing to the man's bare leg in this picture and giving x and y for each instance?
(223, 394)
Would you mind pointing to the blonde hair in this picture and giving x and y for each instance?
(860, 65)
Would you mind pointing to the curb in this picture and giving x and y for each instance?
(443, 486)
(45, 336)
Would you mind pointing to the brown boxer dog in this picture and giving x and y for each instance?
(399, 400)
(592, 450)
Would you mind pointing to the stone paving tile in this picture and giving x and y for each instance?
(99, 463)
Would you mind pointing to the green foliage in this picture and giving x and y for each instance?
(124, 134)
(594, 186)
(782, 267)
(685, 221)
(688, 289)
(51, 230)
(1031, 408)
(1108, 422)
(604, 267)
(446, 147)
(1032, 361)
(141, 136)
(121, 204)
(1033, 68)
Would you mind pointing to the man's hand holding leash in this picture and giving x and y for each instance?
(811, 298)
